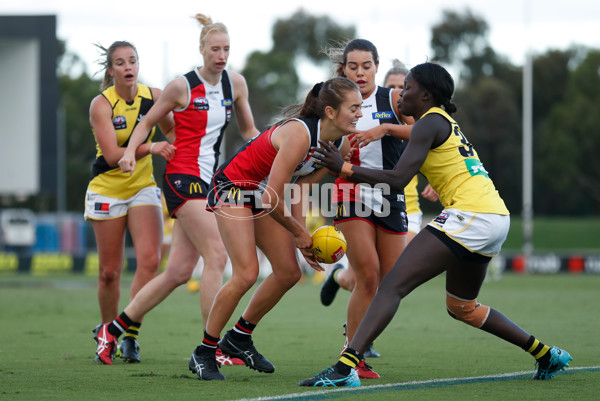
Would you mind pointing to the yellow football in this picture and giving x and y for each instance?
(329, 244)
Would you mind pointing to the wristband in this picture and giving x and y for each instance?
(151, 146)
(346, 170)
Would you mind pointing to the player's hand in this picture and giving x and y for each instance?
(363, 138)
(430, 194)
(304, 243)
(127, 162)
(310, 259)
(328, 156)
(348, 157)
(164, 149)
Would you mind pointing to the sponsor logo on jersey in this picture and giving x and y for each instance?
(228, 114)
(475, 167)
(120, 122)
(303, 162)
(382, 115)
(307, 170)
(226, 102)
(177, 184)
(200, 103)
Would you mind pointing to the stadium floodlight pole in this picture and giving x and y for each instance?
(527, 213)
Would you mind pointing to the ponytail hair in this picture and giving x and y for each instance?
(209, 27)
(106, 61)
(329, 93)
(339, 54)
(436, 79)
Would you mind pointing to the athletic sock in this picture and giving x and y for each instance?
(348, 361)
(242, 331)
(133, 330)
(335, 275)
(120, 325)
(209, 343)
(538, 350)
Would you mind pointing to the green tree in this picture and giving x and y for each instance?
(569, 143)
(460, 39)
(487, 95)
(489, 117)
(272, 76)
(550, 75)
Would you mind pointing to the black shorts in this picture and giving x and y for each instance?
(223, 192)
(393, 220)
(179, 188)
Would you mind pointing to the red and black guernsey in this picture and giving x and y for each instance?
(200, 126)
(252, 163)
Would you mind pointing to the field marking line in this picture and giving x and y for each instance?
(412, 385)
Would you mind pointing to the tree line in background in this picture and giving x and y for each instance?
(566, 94)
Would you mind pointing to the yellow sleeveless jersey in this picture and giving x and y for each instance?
(411, 196)
(456, 173)
(111, 181)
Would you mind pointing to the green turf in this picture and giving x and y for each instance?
(46, 346)
(556, 234)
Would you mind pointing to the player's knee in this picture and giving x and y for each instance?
(217, 258)
(109, 275)
(244, 279)
(148, 262)
(468, 311)
(288, 277)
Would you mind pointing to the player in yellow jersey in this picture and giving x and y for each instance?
(460, 241)
(203, 102)
(340, 277)
(117, 201)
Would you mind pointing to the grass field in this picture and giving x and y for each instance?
(46, 346)
(556, 234)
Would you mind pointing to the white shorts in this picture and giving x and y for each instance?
(99, 207)
(415, 220)
(482, 233)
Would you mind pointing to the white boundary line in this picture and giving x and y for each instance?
(420, 383)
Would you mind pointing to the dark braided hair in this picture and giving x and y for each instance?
(434, 78)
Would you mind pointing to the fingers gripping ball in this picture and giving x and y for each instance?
(329, 244)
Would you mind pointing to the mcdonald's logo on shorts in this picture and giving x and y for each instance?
(233, 195)
(341, 210)
(195, 187)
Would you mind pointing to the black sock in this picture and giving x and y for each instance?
(119, 325)
(242, 331)
(538, 350)
(348, 361)
(209, 343)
